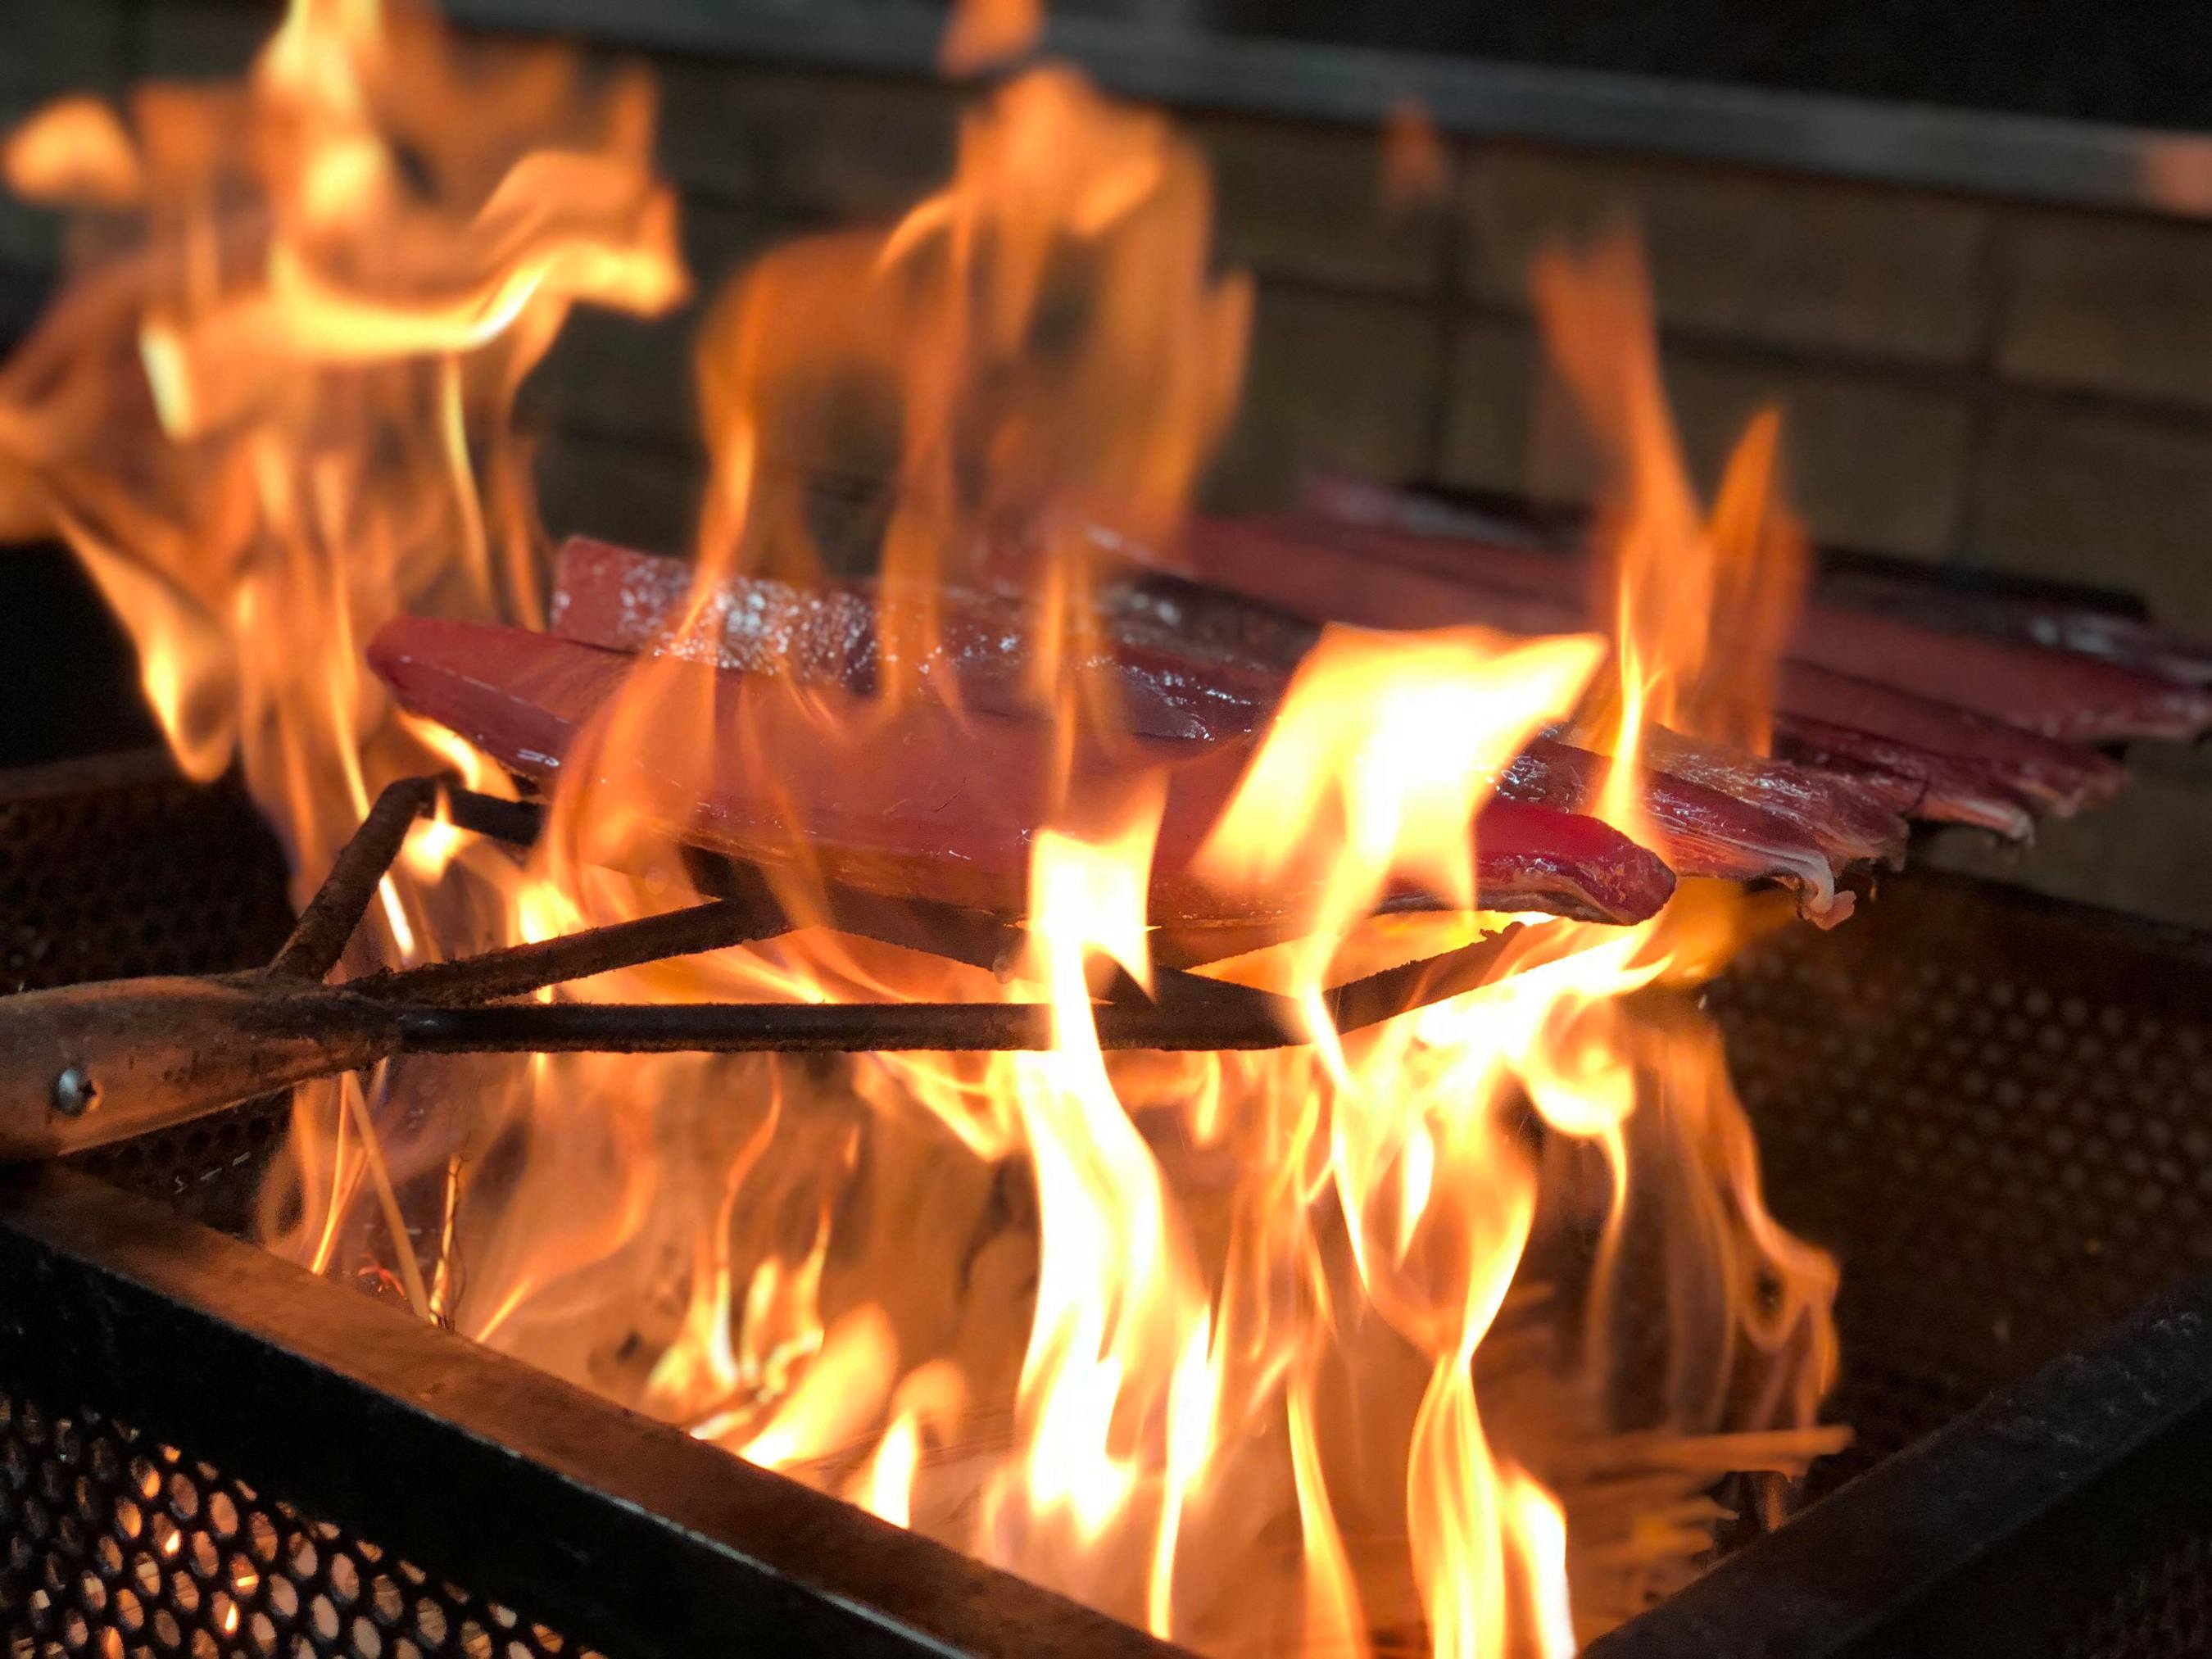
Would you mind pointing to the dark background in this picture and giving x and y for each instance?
(2140, 62)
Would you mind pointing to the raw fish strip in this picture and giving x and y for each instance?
(921, 802)
(2058, 693)
(1702, 832)
(613, 597)
(624, 600)
(1966, 768)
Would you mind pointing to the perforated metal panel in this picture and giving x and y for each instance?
(116, 1546)
(2163, 1611)
(116, 866)
(1998, 1111)
(122, 1548)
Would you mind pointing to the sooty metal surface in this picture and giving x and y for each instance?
(2024, 1528)
(2164, 1608)
(1997, 1109)
(115, 867)
(274, 1387)
(124, 1544)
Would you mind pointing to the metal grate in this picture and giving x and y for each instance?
(114, 867)
(2163, 1611)
(120, 1547)
(1997, 1110)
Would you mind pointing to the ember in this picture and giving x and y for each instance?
(1433, 1321)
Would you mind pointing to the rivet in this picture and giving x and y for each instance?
(74, 1092)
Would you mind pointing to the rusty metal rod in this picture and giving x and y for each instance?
(1373, 998)
(837, 1027)
(1222, 1017)
(959, 933)
(977, 937)
(84, 1065)
(517, 968)
(319, 937)
(514, 821)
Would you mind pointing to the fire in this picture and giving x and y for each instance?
(984, 33)
(953, 334)
(1119, 1330)
(1699, 607)
(254, 419)
(1320, 1348)
(1416, 166)
(1382, 753)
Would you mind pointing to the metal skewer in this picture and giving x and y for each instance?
(84, 1065)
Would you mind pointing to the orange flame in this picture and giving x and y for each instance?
(1416, 166)
(1316, 1348)
(984, 33)
(1383, 751)
(282, 413)
(346, 268)
(1700, 609)
(998, 336)
(74, 152)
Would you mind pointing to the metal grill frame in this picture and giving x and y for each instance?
(2000, 1533)
(2007, 1531)
(2004, 1533)
(1929, 1087)
(617, 1530)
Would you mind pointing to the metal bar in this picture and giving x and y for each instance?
(1985, 153)
(85, 1064)
(715, 925)
(983, 940)
(1252, 1020)
(956, 932)
(1193, 1014)
(621, 1532)
(320, 938)
(1184, 948)
(514, 821)
(1391, 992)
(2002, 1533)
(86, 775)
(975, 937)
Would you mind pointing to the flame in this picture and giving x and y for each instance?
(72, 152)
(342, 271)
(1416, 167)
(984, 33)
(1379, 758)
(1322, 1349)
(275, 409)
(1700, 608)
(1001, 332)
(1120, 1307)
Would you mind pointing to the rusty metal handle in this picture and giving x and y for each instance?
(84, 1065)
